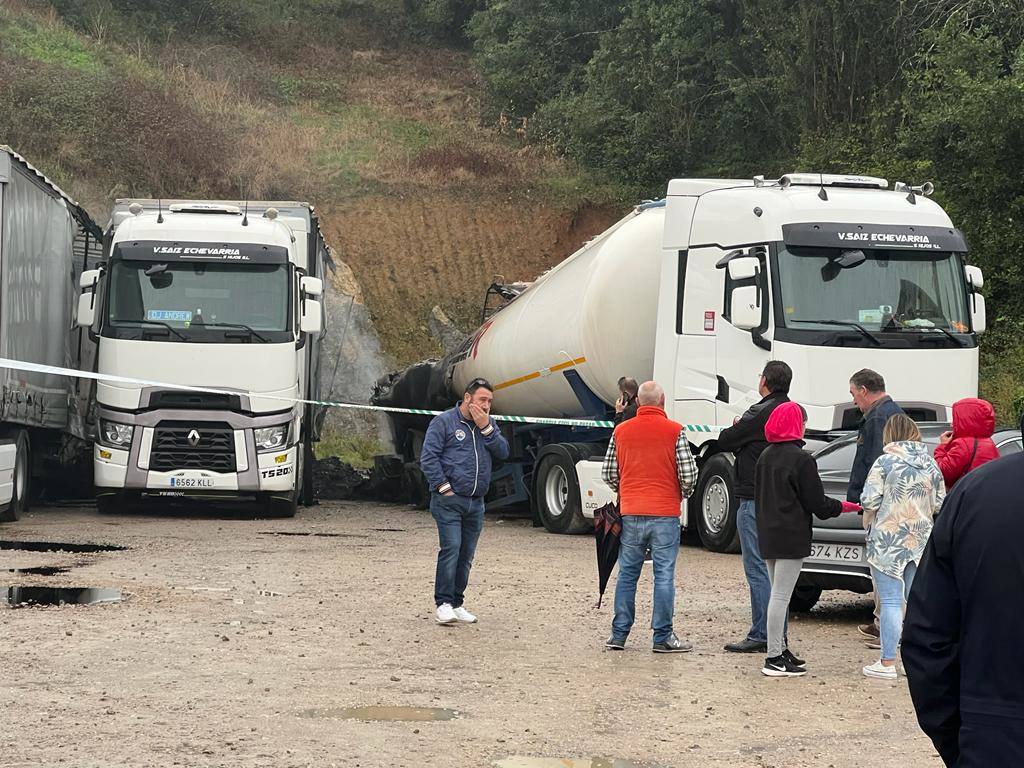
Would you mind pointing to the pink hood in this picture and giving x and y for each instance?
(785, 424)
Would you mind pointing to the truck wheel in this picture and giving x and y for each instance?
(308, 494)
(805, 597)
(716, 504)
(116, 504)
(558, 495)
(22, 479)
(277, 507)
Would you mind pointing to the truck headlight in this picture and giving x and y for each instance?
(271, 438)
(116, 435)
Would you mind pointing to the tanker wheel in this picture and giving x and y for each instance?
(558, 495)
(716, 505)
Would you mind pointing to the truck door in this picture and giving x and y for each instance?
(742, 353)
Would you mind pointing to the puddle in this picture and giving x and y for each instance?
(324, 535)
(385, 714)
(42, 570)
(565, 762)
(18, 596)
(56, 546)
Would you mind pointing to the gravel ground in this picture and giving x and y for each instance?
(237, 646)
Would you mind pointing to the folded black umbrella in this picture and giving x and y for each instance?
(607, 533)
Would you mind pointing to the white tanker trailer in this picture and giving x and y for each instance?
(698, 291)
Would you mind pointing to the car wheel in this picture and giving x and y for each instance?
(805, 597)
(716, 504)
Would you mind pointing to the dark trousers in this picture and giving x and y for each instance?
(459, 522)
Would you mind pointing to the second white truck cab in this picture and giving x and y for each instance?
(209, 295)
(698, 291)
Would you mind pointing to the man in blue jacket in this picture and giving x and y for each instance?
(456, 460)
(961, 638)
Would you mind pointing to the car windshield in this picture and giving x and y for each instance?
(184, 297)
(879, 290)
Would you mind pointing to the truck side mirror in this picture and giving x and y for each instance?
(975, 282)
(312, 286)
(312, 317)
(745, 307)
(86, 314)
(743, 268)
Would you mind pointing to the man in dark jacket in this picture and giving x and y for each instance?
(456, 460)
(627, 405)
(962, 634)
(867, 388)
(746, 440)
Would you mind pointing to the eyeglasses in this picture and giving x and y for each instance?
(479, 384)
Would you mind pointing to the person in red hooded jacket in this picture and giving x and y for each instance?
(969, 444)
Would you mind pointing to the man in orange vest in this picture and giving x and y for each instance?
(650, 465)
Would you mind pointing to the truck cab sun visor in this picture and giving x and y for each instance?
(163, 250)
(889, 236)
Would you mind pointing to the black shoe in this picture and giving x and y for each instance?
(747, 646)
(614, 643)
(780, 666)
(673, 645)
(793, 659)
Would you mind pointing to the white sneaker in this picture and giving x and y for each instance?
(879, 670)
(461, 614)
(445, 614)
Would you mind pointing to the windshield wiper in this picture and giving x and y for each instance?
(240, 326)
(951, 337)
(864, 331)
(173, 330)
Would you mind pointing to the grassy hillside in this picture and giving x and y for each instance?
(329, 101)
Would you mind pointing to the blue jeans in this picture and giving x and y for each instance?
(755, 571)
(892, 596)
(661, 534)
(459, 522)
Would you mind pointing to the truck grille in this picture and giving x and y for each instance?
(172, 449)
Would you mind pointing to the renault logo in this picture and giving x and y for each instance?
(193, 438)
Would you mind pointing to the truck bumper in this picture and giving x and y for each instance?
(224, 460)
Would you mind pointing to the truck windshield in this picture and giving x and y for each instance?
(878, 290)
(183, 300)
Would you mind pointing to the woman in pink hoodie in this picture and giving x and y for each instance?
(969, 444)
(788, 492)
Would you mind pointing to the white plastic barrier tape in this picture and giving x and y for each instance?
(20, 365)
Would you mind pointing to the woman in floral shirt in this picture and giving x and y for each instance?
(903, 493)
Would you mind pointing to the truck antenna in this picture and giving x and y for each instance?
(821, 192)
(245, 216)
(159, 212)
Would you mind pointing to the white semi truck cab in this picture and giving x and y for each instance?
(698, 291)
(213, 295)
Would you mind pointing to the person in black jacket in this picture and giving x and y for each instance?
(627, 404)
(788, 491)
(867, 388)
(745, 439)
(962, 635)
